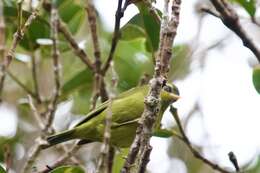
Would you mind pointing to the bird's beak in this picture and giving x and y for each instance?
(175, 96)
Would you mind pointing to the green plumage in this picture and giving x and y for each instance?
(127, 108)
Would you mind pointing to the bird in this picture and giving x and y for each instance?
(126, 108)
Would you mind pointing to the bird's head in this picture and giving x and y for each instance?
(169, 93)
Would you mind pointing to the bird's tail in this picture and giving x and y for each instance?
(59, 138)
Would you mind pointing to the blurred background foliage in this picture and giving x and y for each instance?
(133, 60)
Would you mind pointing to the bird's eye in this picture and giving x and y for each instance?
(168, 88)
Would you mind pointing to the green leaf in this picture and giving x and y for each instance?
(248, 5)
(72, 13)
(81, 100)
(119, 160)
(82, 78)
(2, 170)
(256, 78)
(131, 62)
(80, 85)
(68, 169)
(130, 31)
(153, 31)
(163, 133)
(149, 25)
(38, 29)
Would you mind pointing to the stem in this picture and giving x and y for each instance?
(230, 18)
(34, 76)
(74, 45)
(62, 159)
(118, 16)
(56, 67)
(17, 37)
(104, 159)
(2, 48)
(18, 82)
(186, 140)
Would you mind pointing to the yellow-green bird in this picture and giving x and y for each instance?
(126, 109)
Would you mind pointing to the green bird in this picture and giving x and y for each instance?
(126, 109)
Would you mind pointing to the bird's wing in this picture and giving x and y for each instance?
(132, 91)
(115, 124)
(93, 113)
(104, 105)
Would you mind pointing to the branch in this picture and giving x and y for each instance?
(92, 21)
(18, 82)
(62, 159)
(41, 143)
(7, 157)
(233, 160)
(2, 47)
(74, 45)
(56, 67)
(104, 159)
(35, 113)
(210, 11)
(230, 18)
(53, 105)
(18, 36)
(140, 147)
(100, 89)
(2, 31)
(34, 76)
(119, 14)
(33, 155)
(186, 140)
(107, 153)
(69, 37)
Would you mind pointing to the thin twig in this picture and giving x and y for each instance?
(19, 15)
(2, 47)
(34, 76)
(18, 82)
(102, 165)
(230, 18)
(56, 67)
(233, 160)
(209, 11)
(33, 154)
(140, 147)
(41, 142)
(62, 159)
(186, 140)
(35, 113)
(107, 152)
(99, 90)
(2, 31)
(7, 157)
(93, 28)
(119, 14)
(18, 36)
(69, 37)
(144, 79)
(74, 45)
(53, 105)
